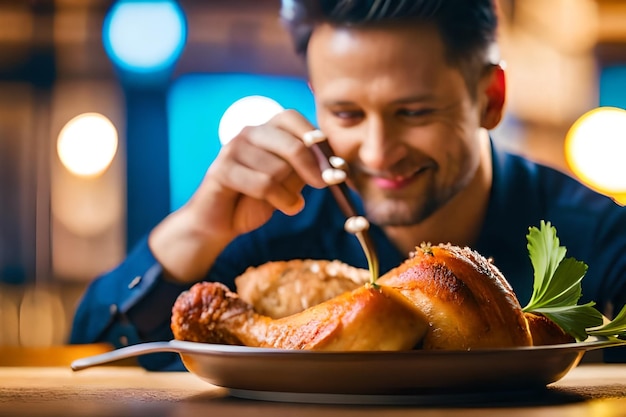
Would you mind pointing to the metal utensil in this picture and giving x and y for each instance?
(335, 172)
(123, 353)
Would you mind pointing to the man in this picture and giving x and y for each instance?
(406, 92)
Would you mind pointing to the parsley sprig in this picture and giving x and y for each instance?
(557, 289)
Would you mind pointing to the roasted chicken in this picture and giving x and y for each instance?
(468, 302)
(442, 297)
(282, 288)
(367, 318)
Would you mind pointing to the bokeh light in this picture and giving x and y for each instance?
(87, 144)
(595, 150)
(144, 36)
(196, 105)
(247, 111)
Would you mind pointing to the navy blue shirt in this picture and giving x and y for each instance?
(132, 303)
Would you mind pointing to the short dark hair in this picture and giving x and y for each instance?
(467, 27)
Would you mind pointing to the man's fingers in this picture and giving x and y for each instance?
(297, 125)
(289, 148)
(261, 186)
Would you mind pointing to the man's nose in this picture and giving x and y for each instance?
(381, 146)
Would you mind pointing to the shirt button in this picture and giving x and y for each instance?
(124, 340)
(134, 282)
(113, 309)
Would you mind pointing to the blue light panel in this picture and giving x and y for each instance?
(195, 106)
(613, 86)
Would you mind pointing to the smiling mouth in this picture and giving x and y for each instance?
(392, 183)
(397, 182)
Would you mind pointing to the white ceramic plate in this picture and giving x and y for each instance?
(366, 377)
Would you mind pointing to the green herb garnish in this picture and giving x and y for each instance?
(557, 288)
(614, 328)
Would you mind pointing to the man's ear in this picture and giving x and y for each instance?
(495, 94)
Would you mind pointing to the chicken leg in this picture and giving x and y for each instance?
(367, 318)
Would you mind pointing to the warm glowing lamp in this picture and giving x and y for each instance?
(247, 111)
(87, 144)
(595, 150)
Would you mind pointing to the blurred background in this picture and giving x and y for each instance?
(110, 112)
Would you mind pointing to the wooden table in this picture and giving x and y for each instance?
(588, 390)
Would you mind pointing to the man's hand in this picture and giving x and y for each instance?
(262, 169)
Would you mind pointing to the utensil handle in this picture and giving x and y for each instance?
(327, 161)
(122, 353)
(323, 154)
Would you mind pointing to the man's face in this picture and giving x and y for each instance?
(399, 114)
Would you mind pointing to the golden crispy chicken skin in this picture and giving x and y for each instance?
(466, 299)
(367, 318)
(198, 314)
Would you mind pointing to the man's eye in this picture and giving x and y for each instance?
(347, 114)
(415, 113)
